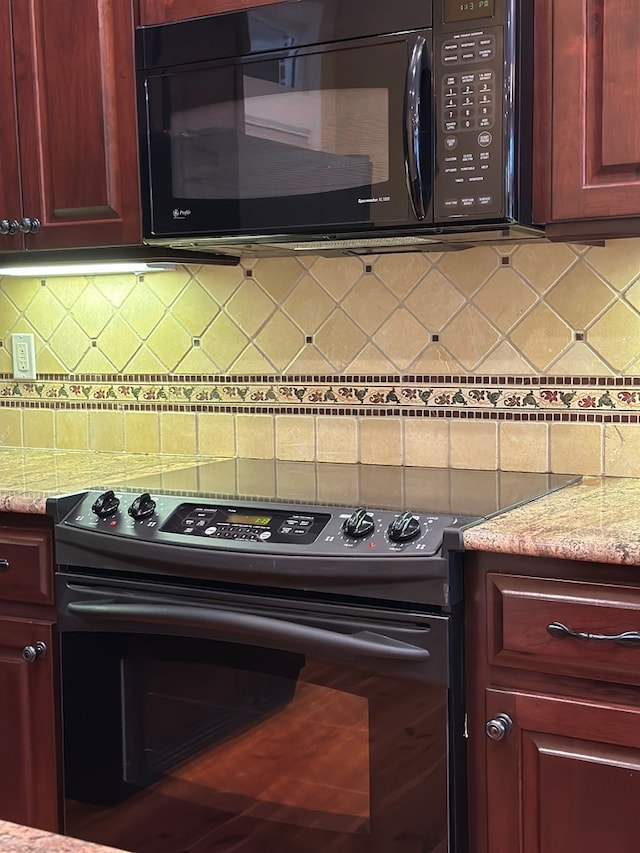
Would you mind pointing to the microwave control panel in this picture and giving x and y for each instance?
(469, 124)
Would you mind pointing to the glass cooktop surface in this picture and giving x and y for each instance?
(437, 490)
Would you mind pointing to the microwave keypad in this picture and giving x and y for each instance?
(468, 87)
(468, 101)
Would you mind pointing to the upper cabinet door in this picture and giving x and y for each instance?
(595, 107)
(75, 93)
(161, 11)
(10, 200)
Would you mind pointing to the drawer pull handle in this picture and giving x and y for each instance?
(5, 565)
(561, 632)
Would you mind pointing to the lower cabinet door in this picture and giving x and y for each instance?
(28, 774)
(562, 774)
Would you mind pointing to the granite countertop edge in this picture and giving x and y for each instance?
(25, 839)
(594, 520)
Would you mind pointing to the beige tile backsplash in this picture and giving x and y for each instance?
(531, 310)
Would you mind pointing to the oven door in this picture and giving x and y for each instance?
(336, 136)
(237, 722)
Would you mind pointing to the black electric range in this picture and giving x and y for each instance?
(375, 532)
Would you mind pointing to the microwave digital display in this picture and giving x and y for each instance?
(457, 10)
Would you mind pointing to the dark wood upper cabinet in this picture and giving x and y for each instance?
(587, 92)
(69, 110)
(162, 11)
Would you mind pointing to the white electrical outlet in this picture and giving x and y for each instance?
(24, 356)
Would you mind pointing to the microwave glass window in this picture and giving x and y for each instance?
(286, 132)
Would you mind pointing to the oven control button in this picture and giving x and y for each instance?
(143, 506)
(403, 527)
(105, 504)
(360, 523)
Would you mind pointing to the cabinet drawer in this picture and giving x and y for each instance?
(522, 609)
(26, 566)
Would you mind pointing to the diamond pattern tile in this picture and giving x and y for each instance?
(371, 314)
(45, 312)
(504, 298)
(308, 305)
(470, 268)
(369, 303)
(249, 307)
(541, 337)
(434, 300)
(402, 338)
(340, 340)
(580, 296)
(616, 336)
(541, 265)
(469, 337)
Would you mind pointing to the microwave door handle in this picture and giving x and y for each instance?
(412, 129)
(305, 639)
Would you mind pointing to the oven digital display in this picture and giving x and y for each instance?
(245, 518)
(457, 10)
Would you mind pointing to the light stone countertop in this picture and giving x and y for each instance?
(597, 519)
(24, 839)
(28, 476)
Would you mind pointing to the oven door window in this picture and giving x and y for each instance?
(175, 743)
(298, 140)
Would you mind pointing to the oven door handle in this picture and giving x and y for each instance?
(306, 639)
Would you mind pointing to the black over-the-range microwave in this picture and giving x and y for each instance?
(339, 126)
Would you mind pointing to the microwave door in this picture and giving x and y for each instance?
(333, 139)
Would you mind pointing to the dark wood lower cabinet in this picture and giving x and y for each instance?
(28, 759)
(29, 736)
(565, 778)
(562, 770)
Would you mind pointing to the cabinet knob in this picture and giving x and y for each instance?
(5, 565)
(499, 726)
(28, 225)
(9, 227)
(37, 650)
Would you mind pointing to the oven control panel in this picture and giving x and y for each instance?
(245, 524)
(257, 527)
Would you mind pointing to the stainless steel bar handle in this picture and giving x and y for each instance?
(5, 565)
(562, 632)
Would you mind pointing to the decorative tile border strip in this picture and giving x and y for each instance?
(433, 396)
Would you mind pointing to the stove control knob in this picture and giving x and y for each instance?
(359, 524)
(403, 527)
(105, 504)
(143, 506)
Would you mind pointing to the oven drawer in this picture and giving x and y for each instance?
(566, 627)
(26, 566)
